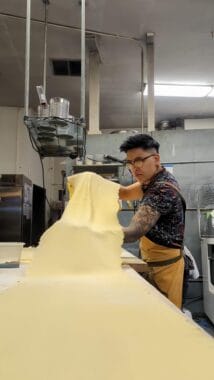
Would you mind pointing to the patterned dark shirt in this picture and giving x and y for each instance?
(169, 229)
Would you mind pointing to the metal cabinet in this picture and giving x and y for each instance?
(15, 208)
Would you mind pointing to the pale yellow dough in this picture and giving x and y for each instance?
(78, 316)
(88, 237)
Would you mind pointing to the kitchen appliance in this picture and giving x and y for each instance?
(68, 134)
(56, 137)
(15, 208)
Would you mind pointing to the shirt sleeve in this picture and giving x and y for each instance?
(161, 198)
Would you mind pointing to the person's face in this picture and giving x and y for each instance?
(143, 164)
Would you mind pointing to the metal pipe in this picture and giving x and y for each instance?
(150, 71)
(45, 49)
(82, 105)
(142, 90)
(94, 93)
(198, 215)
(88, 31)
(27, 58)
(187, 209)
(187, 162)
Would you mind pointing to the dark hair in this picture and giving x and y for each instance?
(142, 141)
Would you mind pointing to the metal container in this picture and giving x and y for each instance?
(59, 107)
(15, 208)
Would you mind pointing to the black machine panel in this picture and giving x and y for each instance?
(15, 208)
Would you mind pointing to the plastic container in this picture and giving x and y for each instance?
(10, 254)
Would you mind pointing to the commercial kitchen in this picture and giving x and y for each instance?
(80, 81)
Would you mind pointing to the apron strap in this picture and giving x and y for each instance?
(164, 262)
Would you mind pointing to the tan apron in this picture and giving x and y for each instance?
(168, 277)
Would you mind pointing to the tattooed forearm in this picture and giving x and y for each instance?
(142, 222)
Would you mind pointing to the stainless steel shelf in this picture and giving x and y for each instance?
(56, 137)
(109, 171)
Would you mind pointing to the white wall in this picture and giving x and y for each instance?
(8, 139)
(16, 153)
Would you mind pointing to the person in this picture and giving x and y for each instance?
(160, 220)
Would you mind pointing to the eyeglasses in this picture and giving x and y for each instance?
(137, 162)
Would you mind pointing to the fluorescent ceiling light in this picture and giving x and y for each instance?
(211, 93)
(182, 90)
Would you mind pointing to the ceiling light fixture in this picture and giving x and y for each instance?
(182, 90)
(211, 93)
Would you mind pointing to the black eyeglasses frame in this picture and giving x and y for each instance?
(140, 159)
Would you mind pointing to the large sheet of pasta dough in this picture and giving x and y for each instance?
(78, 316)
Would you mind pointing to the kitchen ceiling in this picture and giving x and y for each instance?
(184, 52)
